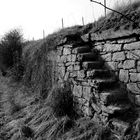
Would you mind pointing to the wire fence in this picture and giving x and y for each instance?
(88, 16)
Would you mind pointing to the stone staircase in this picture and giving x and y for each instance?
(111, 100)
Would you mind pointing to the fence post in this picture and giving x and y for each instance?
(105, 7)
(43, 34)
(62, 23)
(83, 21)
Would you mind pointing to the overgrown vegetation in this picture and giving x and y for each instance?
(11, 54)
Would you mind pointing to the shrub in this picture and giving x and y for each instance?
(61, 101)
(11, 50)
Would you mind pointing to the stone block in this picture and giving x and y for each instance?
(77, 91)
(70, 68)
(59, 50)
(138, 66)
(135, 54)
(135, 77)
(69, 58)
(99, 47)
(123, 75)
(87, 92)
(69, 63)
(62, 71)
(133, 70)
(76, 67)
(107, 57)
(132, 46)
(112, 65)
(73, 57)
(66, 51)
(66, 76)
(112, 47)
(73, 74)
(63, 59)
(120, 65)
(81, 74)
(133, 87)
(129, 64)
(118, 56)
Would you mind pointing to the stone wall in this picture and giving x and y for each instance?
(95, 68)
(122, 55)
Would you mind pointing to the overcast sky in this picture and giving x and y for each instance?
(34, 16)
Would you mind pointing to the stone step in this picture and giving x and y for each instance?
(82, 49)
(100, 73)
(107, 84)
(116, 96)
(91, 56)
(112, 109)
(89, 65)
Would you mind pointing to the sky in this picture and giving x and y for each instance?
(34, 16)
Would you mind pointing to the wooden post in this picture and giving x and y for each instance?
(43, 34)
(105, 7)
(83, 21)
(62, 23)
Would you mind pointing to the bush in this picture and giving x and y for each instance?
(11, 50)
(61, 101)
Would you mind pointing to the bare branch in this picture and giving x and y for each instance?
(116, 12)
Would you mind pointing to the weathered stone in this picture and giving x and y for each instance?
(81, 101)
(138, 66)
(76, 67)
(112, 65)
(81, 74)
(73, 57)
(86, 110)
(123, 75)
(112, 47)
(66, 76)
(107, 57)
(58, 59)
(73, 74)
(77, 91)
(62, 71)
(59, 50)
(129, 64)
(96, 107)
(120, 65)
(70, 68)
(133, 88)
(63, 59)
(69, 58)
(99, 47)
(69, 63)
(87, 93)
(134, 77)
(132, 46)
(66, 51)
(135, 55)
(133, 70)
(118, 56)
(127, 40)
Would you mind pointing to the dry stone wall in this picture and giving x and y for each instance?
(104, 74)
(122, 55)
